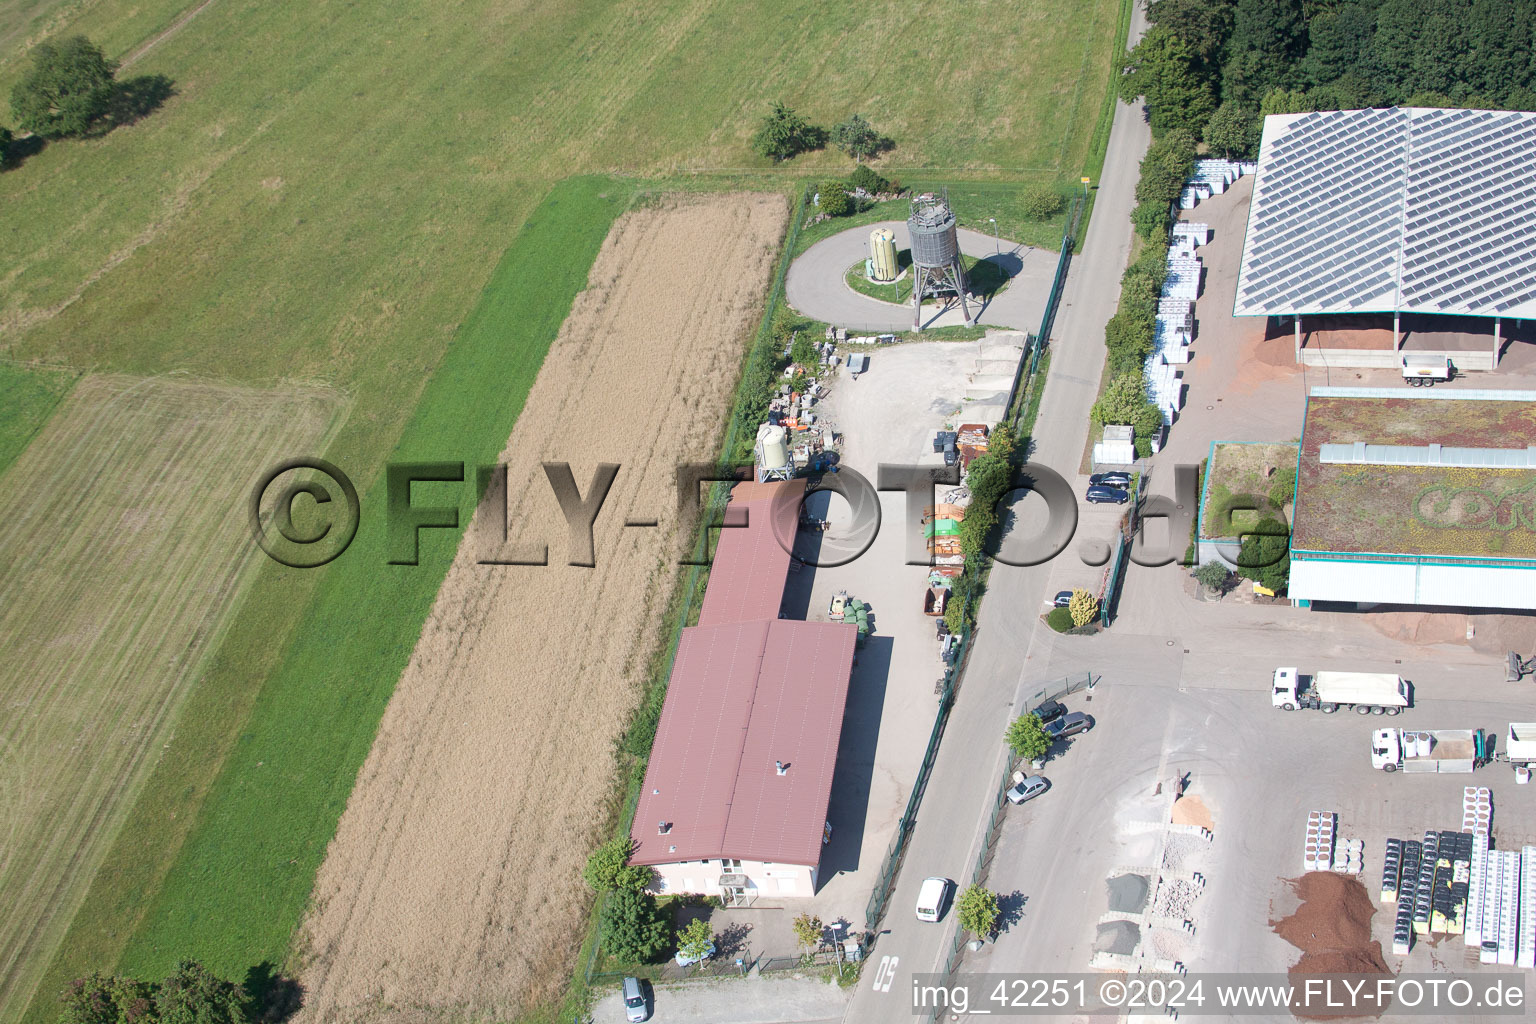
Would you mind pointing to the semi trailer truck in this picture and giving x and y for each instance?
(1428, 750)
(1369, 693)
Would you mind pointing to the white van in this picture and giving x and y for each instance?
(932, 898)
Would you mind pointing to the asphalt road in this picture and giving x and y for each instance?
(971, 759)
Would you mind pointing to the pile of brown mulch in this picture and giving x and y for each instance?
(1332, 928)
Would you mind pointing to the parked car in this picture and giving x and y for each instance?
(635, 1006)
(933, 898)
(1049, 711)
(683, 960)
(1099, 495)
(1027, 788)
(1062, 599)
(1114, 479)
(1068, 725)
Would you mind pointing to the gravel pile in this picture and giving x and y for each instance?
(1117, 937)
(1174, 898)
(1332, 928)
(1128, 893)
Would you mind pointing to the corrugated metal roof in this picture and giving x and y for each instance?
(1447, 586)
(741, 697)
(1360, 453)
(1415, 209)
(746, 579)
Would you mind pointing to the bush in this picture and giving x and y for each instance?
(834, 201)
(1059, 619)
(1026, 736)
(858, 138)
(977, 910)
(1042, 202)
(634, 929)
(1233, 132)
(1129, 336)
(1084, 608)
(190, 995)
(608, 868)
(1282, 487)
(1265, 555)
(802, 351)
(68, 88)
(1212, 575)
(865, 178)
(1151, 219)
(782, 133)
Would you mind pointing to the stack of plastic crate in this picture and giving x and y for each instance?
(1424, 890)
(1525, 956)
(1391, 862)
(1407, 894)
(1509, 906)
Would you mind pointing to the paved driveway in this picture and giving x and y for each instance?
(816, 284)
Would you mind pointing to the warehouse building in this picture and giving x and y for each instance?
(736, 793)
(1416, 497)
(1393, 230)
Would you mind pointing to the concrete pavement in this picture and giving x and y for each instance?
(816, 287)
(972, 757)
(752, 1000)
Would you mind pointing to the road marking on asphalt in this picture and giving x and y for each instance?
(886, 974)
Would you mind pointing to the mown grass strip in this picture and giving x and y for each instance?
(239, 888)
(28, 396)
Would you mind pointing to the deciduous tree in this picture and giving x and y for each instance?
(1027, 738)
(782, 133)
(977, 910)
(67, 88)
(858, 138)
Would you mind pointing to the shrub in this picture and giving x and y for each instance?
(1042, 202)
(1212, 575)
(802, 351)
(1282, 487)
(858, 138)
(1059, 619)
(865, 178)
(1026, 736)
(190, 995)
(1233, 132)
(1084, 608)
(633, 928)
(977, 910)
(834, 201)
(1265, 554)
(782, 133)
(1151, 218)
(608, 868)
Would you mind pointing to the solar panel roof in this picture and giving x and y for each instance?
(1414, 209)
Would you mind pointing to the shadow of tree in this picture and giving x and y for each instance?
(136, 98)
(275, 997)
(731, 940)
(20, 148)
(1010, 909)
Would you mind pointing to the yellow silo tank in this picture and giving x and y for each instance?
(882, 254)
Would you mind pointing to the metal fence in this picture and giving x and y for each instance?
(1109, 593)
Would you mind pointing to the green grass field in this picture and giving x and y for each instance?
(30, 395)
(326, 199)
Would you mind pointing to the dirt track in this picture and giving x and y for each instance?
(453, 885)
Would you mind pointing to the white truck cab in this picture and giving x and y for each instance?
(1283, 693)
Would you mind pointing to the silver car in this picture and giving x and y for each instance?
(1068, 725)
(635, 1008)
(1027, 788)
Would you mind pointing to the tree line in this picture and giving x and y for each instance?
(1214, 68)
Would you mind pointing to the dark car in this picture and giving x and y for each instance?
(1062, 599)
(1068, 725)
(1049, 711)
(1121, 480)
(1098, 495)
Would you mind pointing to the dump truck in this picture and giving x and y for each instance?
(1521, 745)
(1454, 751)
(1369, 693)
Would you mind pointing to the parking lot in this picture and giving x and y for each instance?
(889, 415)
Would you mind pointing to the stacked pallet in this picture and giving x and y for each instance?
(1318, 852)
(1407, 896)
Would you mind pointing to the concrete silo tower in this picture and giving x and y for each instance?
(936, 267)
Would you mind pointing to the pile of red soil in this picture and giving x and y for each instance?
(1332, 928)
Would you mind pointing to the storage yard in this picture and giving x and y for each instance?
(453, 883)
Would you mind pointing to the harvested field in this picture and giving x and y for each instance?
(453, 885)
(126, 546)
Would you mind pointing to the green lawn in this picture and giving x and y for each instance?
(981, 276)
(27, 397)
(326, 199)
